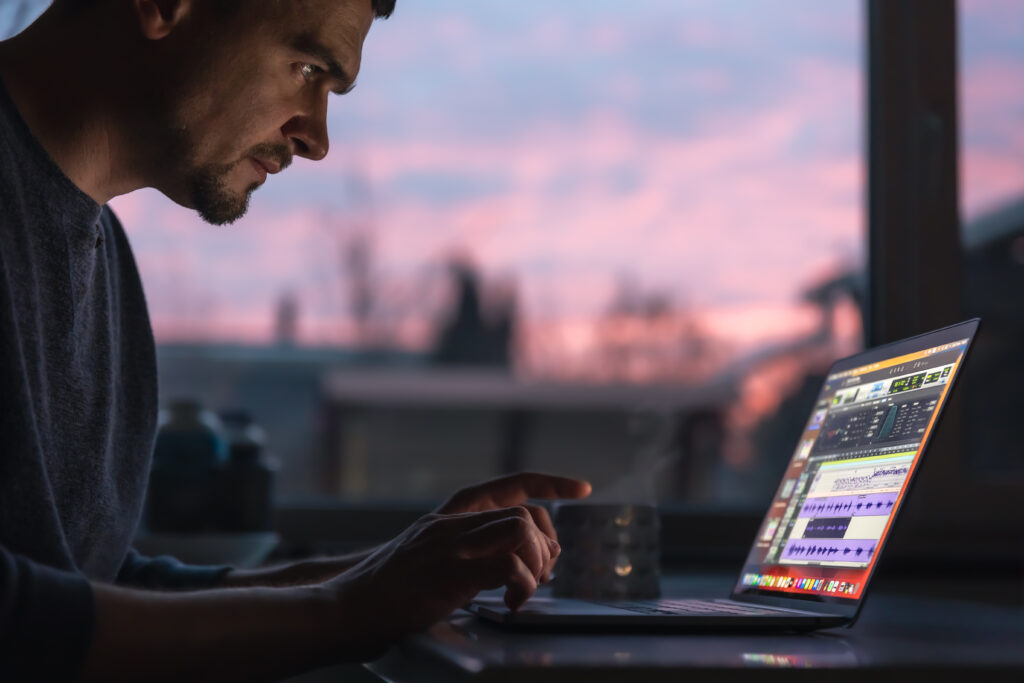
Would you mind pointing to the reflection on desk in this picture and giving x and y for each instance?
(896, 637)
(475, 647)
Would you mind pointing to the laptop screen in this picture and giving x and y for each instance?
(853, 462)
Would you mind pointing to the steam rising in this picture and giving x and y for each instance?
(657, 430)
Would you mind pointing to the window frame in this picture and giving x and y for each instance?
(915, 267)
(915, 282)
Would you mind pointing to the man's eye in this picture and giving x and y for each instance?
(308, 71)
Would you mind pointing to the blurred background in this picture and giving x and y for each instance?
(620, 241)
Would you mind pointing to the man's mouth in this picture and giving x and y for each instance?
(263, 168)
(267, 165)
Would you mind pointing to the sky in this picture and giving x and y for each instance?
(991, 104)
(709, 151)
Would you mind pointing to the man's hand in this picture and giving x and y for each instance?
(481, 538)
(435, 566)
(490, 495)
(516, 489)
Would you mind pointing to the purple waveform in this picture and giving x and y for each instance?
(829, 549)
(827, 527)
(849, 506)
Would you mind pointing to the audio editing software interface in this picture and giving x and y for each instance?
(848, 475)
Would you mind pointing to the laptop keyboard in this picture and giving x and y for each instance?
(686, 607)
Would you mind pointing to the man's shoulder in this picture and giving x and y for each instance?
(34, 189)
(112, 228)
(13, 171)
(109, 219)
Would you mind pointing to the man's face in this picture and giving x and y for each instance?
(248, 93)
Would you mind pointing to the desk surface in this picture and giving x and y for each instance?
(895, 636)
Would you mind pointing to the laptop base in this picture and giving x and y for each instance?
(581, 615)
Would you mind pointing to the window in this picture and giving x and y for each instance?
(614, 242)
(919, 255)
(992, 187)
(619, 242)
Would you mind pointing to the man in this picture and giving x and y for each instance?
(201, 99)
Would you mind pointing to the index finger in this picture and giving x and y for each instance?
(515, 489)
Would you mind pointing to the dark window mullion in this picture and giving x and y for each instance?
(915, 259)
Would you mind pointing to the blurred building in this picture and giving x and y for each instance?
(994, 279)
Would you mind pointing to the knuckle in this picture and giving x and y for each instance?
(538, 512)
(520, 527)
(521, 511)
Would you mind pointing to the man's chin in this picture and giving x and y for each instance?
(222, 209)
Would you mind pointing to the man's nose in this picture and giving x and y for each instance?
(307, 133)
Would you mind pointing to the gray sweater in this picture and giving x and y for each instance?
(78, 407)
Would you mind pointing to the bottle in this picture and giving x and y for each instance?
(190, 448)
(246, 487)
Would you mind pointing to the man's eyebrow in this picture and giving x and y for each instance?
(310, 45)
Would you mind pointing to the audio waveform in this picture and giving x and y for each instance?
(852, 506)
(887, 476)
(829, 550)
(827, 527)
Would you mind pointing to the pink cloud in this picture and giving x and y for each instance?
(693, 193)
(723, 207)
(992, 172)
(727, 219)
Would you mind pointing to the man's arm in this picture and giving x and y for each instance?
(498, 493)
(52, 620)
(503, 492)
(253, 634)
(42, 610)
(167, 573)
(264, 634)
(302, 573)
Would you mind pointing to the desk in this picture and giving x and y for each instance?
(897, 638)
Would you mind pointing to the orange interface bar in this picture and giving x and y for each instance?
(888, 363)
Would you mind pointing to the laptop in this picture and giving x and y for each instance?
(817, 548)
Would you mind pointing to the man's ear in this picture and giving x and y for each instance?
(157, 18)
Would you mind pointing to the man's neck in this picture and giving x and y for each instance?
(60, 86)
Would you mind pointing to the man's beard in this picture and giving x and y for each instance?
(210, 194)
(212, 198)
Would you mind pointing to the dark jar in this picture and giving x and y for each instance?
(246, 500)
(190, 449)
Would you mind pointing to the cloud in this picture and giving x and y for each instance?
(689, 147)
(991, 103)
(992, 142)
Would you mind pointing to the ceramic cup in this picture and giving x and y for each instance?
(609, 551)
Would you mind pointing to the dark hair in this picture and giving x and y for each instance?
(381, 8)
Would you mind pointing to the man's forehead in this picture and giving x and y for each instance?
(348, 19)
(340, 26)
